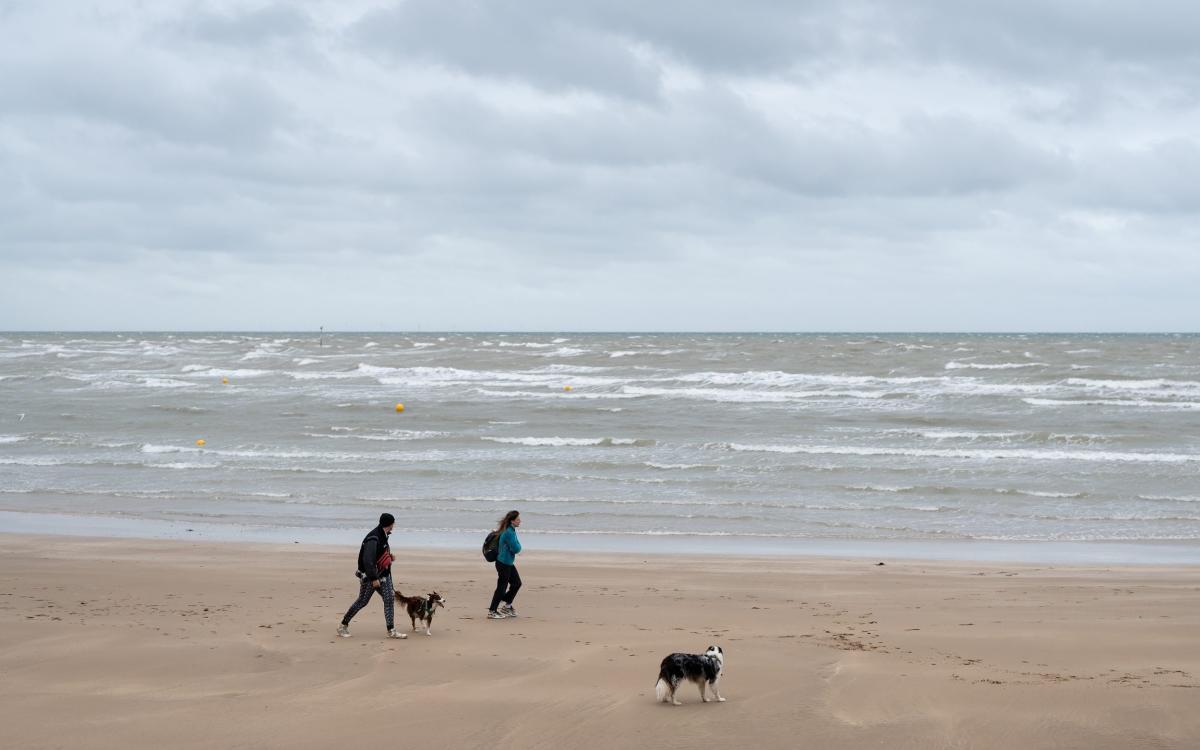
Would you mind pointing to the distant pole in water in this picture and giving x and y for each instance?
(321, 339)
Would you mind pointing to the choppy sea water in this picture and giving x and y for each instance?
(781, 442)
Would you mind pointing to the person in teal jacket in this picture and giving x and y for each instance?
(508, 581)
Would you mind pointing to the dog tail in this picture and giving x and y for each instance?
(661, 690)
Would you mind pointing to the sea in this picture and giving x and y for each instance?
(1052, 447)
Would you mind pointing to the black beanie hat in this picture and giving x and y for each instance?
(387, 519)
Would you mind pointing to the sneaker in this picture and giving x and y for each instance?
(343, 631)
(495, 615)
(393, 633)
(507, 610)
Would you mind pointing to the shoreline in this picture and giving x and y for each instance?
(1094, 553)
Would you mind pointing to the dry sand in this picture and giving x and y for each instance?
(127, 644)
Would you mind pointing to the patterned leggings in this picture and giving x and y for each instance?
(365, 589)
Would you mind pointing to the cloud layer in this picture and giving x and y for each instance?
(599, 165)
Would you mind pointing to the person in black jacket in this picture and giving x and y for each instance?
(375, 574)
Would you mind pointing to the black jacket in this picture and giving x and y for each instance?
(373, 546)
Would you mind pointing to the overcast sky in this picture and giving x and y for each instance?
(600, 165)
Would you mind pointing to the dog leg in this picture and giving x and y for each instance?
(428, 631)
(674, 700)
(717, 689)
(703, 697)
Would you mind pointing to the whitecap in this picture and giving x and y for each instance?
(1001, 366)
(1141, 403)
(969, 453)
(166, 383)
(560, 442)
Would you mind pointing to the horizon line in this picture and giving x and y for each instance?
(548, 332)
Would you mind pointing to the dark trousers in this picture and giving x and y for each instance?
(365, 589)
(508, 583)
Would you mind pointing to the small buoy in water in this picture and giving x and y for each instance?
(225, 381)
(399, 407)
(566, 387)
(200, 442)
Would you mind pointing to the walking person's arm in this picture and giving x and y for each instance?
(367, 561)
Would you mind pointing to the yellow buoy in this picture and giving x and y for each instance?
(566, 387)
(399, 407)
(225, 381)
(200, 441)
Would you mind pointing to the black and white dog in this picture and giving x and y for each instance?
(702, 669)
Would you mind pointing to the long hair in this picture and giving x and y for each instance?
(505, 522)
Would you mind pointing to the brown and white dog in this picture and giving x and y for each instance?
(421, 608)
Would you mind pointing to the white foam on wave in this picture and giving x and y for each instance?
(879, 488)
(969, 453)
(451, 376)
(32, 461)
(634, 353)
(681, 467)
(564, 351)
(153, 448)
(732, 395)
(6, 439)
(585, 395)
(1140, 403)
(221, 372)
(335, 456)
(166, 383)
(561, 442)
(387, 436)
(1171, 498)
(1139, 386)
(947, 434)
(561, 369)
(780, 379)
(183, 465)
(306, 361)
(1000, 366)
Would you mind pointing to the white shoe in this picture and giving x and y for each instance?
(494, 614)
(507, 610)
(343, 631)
(393, 633)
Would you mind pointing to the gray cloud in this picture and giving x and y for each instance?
(598, 165)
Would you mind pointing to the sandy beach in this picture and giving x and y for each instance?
(129, 643)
